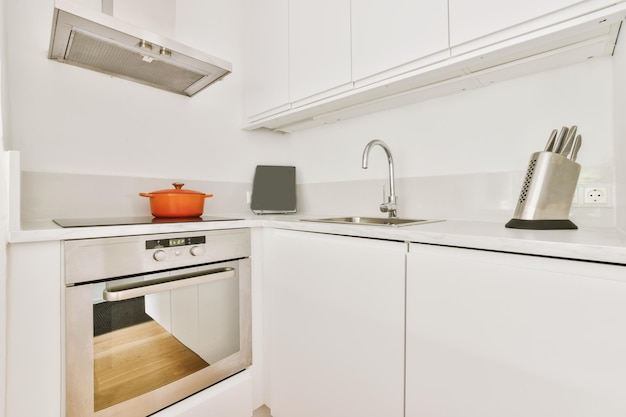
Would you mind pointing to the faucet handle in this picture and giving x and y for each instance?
(389, 204)
(389, 207)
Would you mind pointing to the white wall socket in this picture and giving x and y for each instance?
(248, 197)
(593, 195)
(588, 195)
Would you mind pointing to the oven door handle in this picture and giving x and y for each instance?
(139, 289)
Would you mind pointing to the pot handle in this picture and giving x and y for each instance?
(145, 194)
(208, 195)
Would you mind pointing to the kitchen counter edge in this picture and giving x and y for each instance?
(589, 244)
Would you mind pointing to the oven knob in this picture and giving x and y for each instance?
(196, 250)
(159, 255)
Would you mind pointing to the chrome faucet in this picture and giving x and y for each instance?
(388, 206)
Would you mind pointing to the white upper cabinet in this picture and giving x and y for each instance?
(310, 63)
(266, 66)
(470, 20)
(319, 48)
(388, 35)
(473, 19)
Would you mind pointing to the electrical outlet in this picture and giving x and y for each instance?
(248, 197)
(595, 195)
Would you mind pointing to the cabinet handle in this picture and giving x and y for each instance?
(138, 289)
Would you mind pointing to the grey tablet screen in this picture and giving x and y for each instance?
(274, 189)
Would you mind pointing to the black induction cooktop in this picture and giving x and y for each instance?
(123, 221)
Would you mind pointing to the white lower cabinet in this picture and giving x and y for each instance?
(336, 325)
(33, 328)
(492, 334)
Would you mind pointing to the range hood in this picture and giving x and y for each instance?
(93, 40)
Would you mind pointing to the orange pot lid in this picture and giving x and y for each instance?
(177, 190)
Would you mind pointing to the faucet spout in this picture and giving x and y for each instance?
(388, 206)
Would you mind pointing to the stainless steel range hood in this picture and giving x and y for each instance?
(89, 39)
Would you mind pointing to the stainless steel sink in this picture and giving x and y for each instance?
(372, 221)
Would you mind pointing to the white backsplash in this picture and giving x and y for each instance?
(48, 196)
(477, 197)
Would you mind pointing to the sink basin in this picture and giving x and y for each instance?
(372, 221)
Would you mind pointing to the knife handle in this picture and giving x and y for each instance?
(560, 140)
(567, 146)
(551, 140)
(576, 147)
(569, 140)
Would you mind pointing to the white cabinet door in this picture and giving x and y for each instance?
(492, 335)
(389, 34)
(336, 325)
(472, 19)
(319, 48)
(266, 64)
(33, 345)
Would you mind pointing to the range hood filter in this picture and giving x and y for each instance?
(96, 54)
(99, 42)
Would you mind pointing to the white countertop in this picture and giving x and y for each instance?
(591, 244)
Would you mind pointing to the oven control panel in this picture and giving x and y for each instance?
(94, 259)
(176, 247)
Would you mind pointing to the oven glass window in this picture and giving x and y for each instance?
(146, 342)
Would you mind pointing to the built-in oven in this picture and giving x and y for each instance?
(153, 319)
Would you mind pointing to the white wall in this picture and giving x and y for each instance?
(3, 107)
(3, 272)
(491, 129)
(3, 225)
(69, 120)
(620, 132)
(161, 19)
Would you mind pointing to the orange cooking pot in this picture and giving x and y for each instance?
(176, 202)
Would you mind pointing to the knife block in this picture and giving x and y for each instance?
(547, 193)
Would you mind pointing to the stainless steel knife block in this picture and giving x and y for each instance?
(547, 193)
